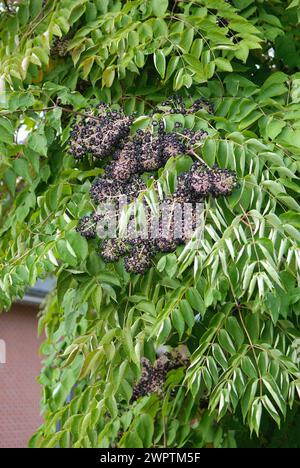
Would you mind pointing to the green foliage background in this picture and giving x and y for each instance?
(234, 302)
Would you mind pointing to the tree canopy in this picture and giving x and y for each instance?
(229, 308)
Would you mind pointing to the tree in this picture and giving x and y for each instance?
(231, 306)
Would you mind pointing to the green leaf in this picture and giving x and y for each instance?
(54, 118)
(178, 79)
(10, 180)
(159, 7)
(263, 362)
(226, 342)
(187, 313)
(6, 131)
(107, 277)
(91, 12)
(20, 100)
(77, 12)
(91, 362)
(275, 392)
(212, 367)
(248, 397)
(164, 331)
(271, 409)
(147, 307)
(194, 63)
(21, 168)
(132, 440)
(178, 322)
(248, 367)
(255, 416)
(195, 300)
(65, 253)
(293, 4)
(172, 66)
(161, 263)
(223, 64)
(37, 141)
(145, 429)
(210, 151)
(128, 342)
(79, 244)
(160, 62)
(197, 48)
(242, 52)
(219, 356)
(108, 77)
(97, 298)
(187, 39)
(171, 265)
(252, 324)
(235, 331)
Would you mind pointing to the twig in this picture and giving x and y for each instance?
(7, 6)
(20, 111)
(193, 153)
(45, 109)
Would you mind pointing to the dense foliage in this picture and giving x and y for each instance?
(225, 312)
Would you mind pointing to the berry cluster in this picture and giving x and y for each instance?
(147, 151)
(107, 189)
(106, 133)
(138, 260)
(192, 187)
(59, 47)
(201, 181)
(154, 376)
(175, 105)
(113, 249)
(87, 225)
(223, 181)
(99, 135)
(137, 253)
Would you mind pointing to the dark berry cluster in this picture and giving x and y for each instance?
(165, 242)
(138, 250)
(223, 182)
(107, 189)
(99, 135)
(59, 47)
(202, 181)
(106, 133)
(154, 376)
(138, 260)
(149, 150)
(113, 249)
(137, 253)
(125, 162)
(175, 105)
(87, 226)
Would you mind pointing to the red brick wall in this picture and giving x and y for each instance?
(19, 391)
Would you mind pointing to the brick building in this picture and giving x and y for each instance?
(20, 393)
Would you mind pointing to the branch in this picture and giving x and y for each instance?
(45, 109)
(20, 111)
(193, 153)
(7, 6)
